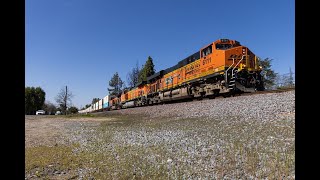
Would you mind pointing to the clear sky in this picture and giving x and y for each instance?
(82, 43)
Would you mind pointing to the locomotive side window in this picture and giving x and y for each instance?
(206, 51)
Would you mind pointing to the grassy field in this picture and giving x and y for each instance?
(131, 147)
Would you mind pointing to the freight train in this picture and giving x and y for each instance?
(223, 67)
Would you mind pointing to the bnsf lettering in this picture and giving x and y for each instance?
(192, 69)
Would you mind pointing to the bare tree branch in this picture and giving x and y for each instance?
(64, 99)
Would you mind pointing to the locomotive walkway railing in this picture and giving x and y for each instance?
(232, 73)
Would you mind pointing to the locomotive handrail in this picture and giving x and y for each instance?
(237, 64)
(226, 79)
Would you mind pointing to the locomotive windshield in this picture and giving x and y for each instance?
(223, 46)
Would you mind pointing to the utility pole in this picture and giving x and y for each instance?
(65, 101)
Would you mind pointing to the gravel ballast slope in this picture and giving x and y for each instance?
(262, 107)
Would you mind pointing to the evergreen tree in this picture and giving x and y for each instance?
(116, 85)
(141, 74)
(269, 76)
(149, 67)
(147, 70)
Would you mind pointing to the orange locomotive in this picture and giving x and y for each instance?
(223, 67)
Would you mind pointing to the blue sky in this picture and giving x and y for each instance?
(82, 43)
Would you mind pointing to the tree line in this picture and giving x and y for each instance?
(135, 76)
(273, 80)
(35, 100)
(35, 96)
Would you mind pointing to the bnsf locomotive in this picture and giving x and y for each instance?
(224, 67)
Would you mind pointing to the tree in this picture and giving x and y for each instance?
(73, 110)
(64, 99)
(147, 70)
(116, 85)
(141, 75)
(86, 106)
(133, 76)
(269, 76)
(285, 80)
(94, 100)
(34, 99)
(49, 107)
(149, 67)
(291, 80)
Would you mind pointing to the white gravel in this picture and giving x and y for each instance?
(263, 107)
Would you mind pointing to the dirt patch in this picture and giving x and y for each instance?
(51, 131)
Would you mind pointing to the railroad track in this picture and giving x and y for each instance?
(274, 91)
(218, 97)
(267, 91)
(248, 94)
(242, 94)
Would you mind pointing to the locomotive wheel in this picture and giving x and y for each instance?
(197, 98)
(225, 95)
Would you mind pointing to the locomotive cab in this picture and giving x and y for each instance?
(236, 55)
(235, 62)
(224, 44)
(241, 66)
